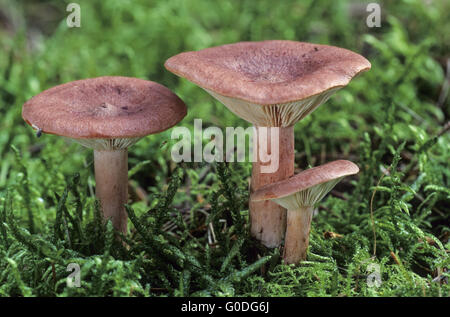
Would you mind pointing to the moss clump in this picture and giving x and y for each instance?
(384, 232)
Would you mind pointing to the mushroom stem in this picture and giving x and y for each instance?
(111, 177)
(267, 218)
(297, 235)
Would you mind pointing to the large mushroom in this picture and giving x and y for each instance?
(299, 194)
(270, 84)
(108, 115)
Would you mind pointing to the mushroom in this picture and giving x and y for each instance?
(270, 84)
(299, 194)
(108, 115)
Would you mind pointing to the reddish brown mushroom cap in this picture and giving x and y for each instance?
(306, 179)
(269, 72)
(105, 108)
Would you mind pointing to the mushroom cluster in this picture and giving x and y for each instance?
(270, 84)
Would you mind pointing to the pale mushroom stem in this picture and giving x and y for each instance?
(297, 235)
(111, 177)
(267, 218)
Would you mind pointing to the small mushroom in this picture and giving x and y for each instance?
(299, 194)
(108, 115)
(270, 84)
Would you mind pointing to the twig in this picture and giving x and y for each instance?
(445, 86)
(371, 212)
(444, 129)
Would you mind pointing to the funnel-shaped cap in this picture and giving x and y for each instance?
(270, 83)
(306, 188)
(105, 112)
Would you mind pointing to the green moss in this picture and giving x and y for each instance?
(189, 223)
